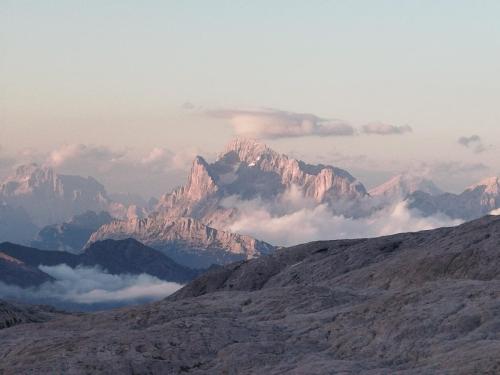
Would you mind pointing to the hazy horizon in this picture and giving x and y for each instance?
(374, 88)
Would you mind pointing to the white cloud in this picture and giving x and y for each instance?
(155, 155)
(76, 153)
(86, 285)
(272, 123)
(295, 220)
(167, 159)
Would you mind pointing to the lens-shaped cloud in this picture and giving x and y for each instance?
(272, 124)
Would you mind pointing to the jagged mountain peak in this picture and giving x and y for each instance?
(249, 150)
(28, 176)
(255, 153)
(49, 197)
(249, 169)
(405, 184)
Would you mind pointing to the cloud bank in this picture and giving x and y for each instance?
(92, 285)
(296, 220)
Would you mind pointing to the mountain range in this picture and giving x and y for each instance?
(51, 198)
(412, 303)
(190, 224)
(193, 224)
(478, 200)
(186, 240)
(48, 197)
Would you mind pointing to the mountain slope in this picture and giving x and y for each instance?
(15, 272)
(185, 240)
(416, 303)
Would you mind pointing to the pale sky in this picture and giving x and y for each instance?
(115, 74)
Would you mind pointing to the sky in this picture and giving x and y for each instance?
(376, 87)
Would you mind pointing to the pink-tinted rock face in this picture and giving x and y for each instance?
(49, 197)
(190, 234)
(400, 186)
(247, 170)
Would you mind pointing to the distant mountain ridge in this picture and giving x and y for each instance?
(186, 240)
(51, 198)
(16, 272)
(116, 257)
(478, 200)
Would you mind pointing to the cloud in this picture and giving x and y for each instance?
(474, 143)
(385, 129)
(77, 152)
(272, 124)
(156, 154)
(91, 285)
(268, 123)
(295, 219)
(167, 159)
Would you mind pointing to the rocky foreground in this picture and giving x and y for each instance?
(419, 303)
